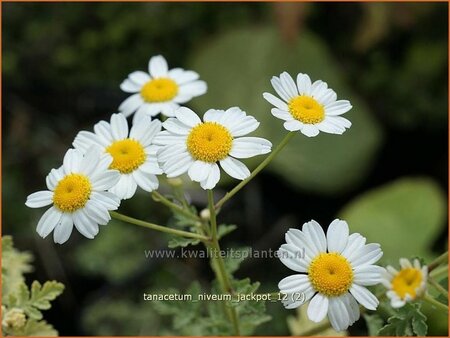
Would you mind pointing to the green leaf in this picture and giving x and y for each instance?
(224, 229)
(41, 295)
(405, 212)
(176, 241)
(238, 66)
(39, 329)
(374, 324)
(301, 325)
(235, 258)
(407, 321)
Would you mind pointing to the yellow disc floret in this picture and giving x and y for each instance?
(407, 281)
(72, 193)
(159, 90)
(330, 274)
(209, 142)
(127, 154)
(306, 109)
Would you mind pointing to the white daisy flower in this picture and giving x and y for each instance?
(78, 193)
(333, 271)
(161, 90)
(309, 108)
(133, 153)
(407, 284)
(193, 146)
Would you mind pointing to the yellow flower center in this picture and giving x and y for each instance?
(72, 192)
(306, 109)
(159, 90)
(406, 282)
(127, 154)
(330, 274)
(209, 142)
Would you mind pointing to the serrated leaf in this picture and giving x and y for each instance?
(39, 329)
(225, 229)
(235, 258)
(374, 324)
(41, 295)
(407, 321)
(177, 241)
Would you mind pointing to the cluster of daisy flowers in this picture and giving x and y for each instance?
(109, 163)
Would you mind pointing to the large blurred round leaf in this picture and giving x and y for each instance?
(238, 66)
(405, 217)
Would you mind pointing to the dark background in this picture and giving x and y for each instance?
(62, 65)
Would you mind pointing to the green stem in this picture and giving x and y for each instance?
(437, 286)
(438, 261)
(435, 303)
(221, 272)
(157, 227)
(161, 198)
(439, 272)
(260, 167)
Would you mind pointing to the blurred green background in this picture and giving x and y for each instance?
(387, 176)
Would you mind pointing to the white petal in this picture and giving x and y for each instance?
(48, 221)
(368, 274)
(166, 138)
(108, 199)
(39, 199)
(182, 76)
(281, 114)
(303, 84)
(330, 127)
(72, 161)
(90, 160)
(276, 84)
(103, 131)
(405, 263)
(147, 182)
(125, 188)
(275, 101)
(338, 121)
(175, 126)
(338, 315)
(145, 131)
(187, 116)
(337, 236)
(119, 126)
(53, 178)
(129, 86)
(318, 308)
(235, 168)
(212, 179)
(338, 107)
(315, 235)
(328, 96)
(178, 165)
(84, 224)
(351, 306)
(292, 257)
(354, 243)
(244, 127)
(294, 283)
(139, 77)
(86, 139)
(245, 147)
(368, 254)
(157, 66)
(294, 300)
(168, 152)
(103, 164)
(288, 84)
(213, 115)
(151, 166)
(318, 88)
(364, 297)
(298, 239)
(310, 130)
(169, 108)
(97, 212)
(293, 125)
(192, 89)
(199, 171)
(105, 180)
(63, 230)
(131, 104)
